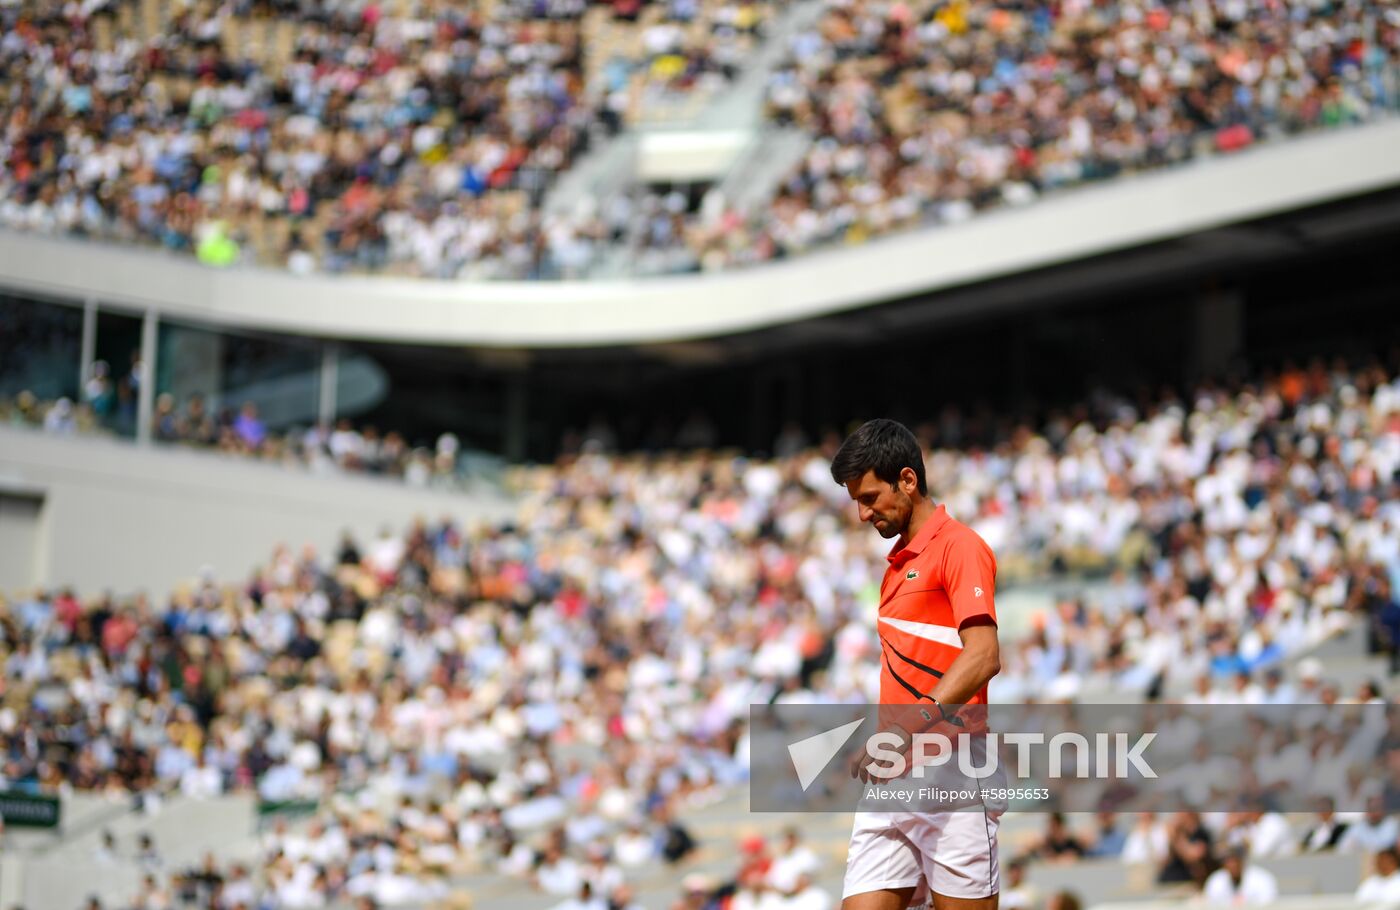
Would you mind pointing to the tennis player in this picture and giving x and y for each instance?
(938, 637)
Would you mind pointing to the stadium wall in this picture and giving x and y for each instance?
(109, 515)
(1085, 222)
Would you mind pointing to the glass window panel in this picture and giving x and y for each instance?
(40, 355)
(236, 390)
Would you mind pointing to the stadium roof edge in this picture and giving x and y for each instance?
(1087, 222)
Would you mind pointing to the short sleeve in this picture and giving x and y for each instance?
(969, 577)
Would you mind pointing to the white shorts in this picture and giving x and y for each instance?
(950, 853)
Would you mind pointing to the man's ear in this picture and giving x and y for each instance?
(908, 481)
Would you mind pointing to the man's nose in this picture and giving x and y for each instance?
(865, 513)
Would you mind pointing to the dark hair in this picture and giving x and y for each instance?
(883, 446)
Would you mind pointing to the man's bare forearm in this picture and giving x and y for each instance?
(979, 661)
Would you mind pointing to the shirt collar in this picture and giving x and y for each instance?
(932, 526)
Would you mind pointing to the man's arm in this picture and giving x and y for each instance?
(979, 661)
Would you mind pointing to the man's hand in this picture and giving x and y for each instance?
(860, 762)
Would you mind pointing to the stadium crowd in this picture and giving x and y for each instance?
(346, 139)
(360, 136)
(925, 112)
(546, 697)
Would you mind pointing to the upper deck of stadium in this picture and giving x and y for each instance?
(1192, 216)
(566, 140)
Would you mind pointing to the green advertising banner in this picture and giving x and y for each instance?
(26, 810)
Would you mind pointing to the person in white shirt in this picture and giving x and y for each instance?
(1267, 834)
(558, 874)
(1373, 833)
(1238, 885)
(634, 846)
(1276, 690)
(1384, 884)
(202, 781)
(1146, 843)
(804, 895)
(793, 860)
(602, 876)
(754, 894)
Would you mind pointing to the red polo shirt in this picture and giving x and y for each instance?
(935, 583)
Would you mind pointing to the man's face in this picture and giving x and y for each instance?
(886, 507)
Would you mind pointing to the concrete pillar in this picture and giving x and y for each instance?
(88, 351)
(146, 398)
(330, 379)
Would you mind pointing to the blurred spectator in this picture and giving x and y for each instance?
(1058, 844)
(1373, 832)
(1015, 893)
(146, 854)
(634, 847)
(1327, 831)
(1237, 883)
(791, 861)
(1110, 838)
(754, 859)
(697, 893)
(621, 898)
(676, 839)
(106, 853)
(1384, 610)
(250, 429)
(1189, 847)
(754, 892)
(586, 900)
(1261, 833)
(804, 894)
(1383, 885)
(1147, 842)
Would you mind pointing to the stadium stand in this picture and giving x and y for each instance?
(538, 699)
(343, 138)
(927, 112)
(560, 699)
